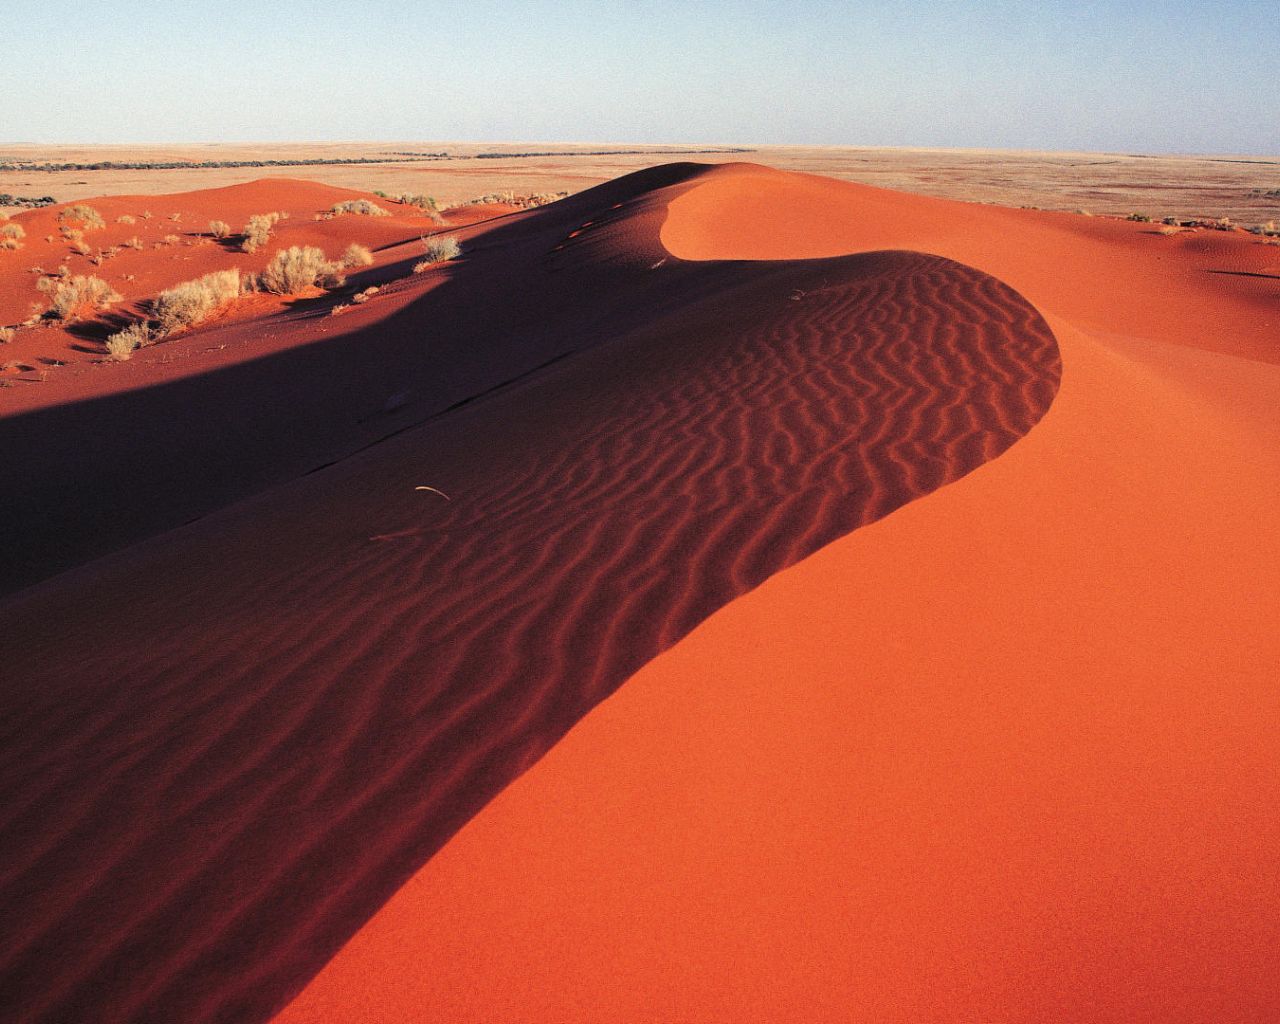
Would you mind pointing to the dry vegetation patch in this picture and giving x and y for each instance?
(191, 302)
(298, 268)
(69, 297)
(87, 216)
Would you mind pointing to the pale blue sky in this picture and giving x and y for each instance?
(1143, 76)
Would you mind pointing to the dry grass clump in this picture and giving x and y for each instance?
(10, 243)
(365, 295)
(258, 230)
(219, 228)
(440, 249)
(69, 296)
(171, 239)
(357, 255)
(1169, 229)
(7, 334)
(187, 304)
(14, 231)
(86, 215)
(426, 204)
(126, 218)
(298, 268)
(357, 206)
(122, 344)
(133, 243)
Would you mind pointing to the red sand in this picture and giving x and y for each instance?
(1004, 754)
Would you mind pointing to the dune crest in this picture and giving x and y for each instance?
(226, 747)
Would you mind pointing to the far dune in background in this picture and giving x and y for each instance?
(1106, 183)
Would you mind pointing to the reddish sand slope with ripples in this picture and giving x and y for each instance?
(1007, 754)
(994, 746)
(225, 748)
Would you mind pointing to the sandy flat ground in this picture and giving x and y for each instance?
(1110, 183)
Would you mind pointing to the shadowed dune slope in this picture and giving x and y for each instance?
(1007, 754)
(224, 748)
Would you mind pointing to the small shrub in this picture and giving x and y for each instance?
(12, 231)
(298, 268)
(175, 217)
(7, 335)
(219, 228)
(441, 249)
(171, 239)
(357, 255)
(358, 206)
(134, 243)
(86, 215)
(258, 230)
(126, 218)
(10, 243)
(191, 302)
(69, 296)
(135, 336)
(147, 215)
(1140, 218)
(365, 295)
(71, 234)
(120, 347)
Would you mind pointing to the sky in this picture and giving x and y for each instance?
(1145, 76)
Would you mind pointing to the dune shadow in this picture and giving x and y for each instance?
(222, 750)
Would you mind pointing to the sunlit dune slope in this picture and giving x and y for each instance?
(1005, 755)
(224, 748)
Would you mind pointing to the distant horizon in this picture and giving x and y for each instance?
(1262, 156)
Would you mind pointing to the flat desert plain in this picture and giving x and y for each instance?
(1244, 188)
(727, 593)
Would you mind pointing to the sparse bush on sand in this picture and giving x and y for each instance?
(426, 204)
(1140, 218)
(134, 243)
(90, 218)
(69, 296)
(357, 255)
(10, 243)
(126, 218)
(357, 206)
(123, 344)
(14, 231)
(187, 304)
(298, 268)
(171, 239)
(440, 249)
(219, 228)
(7, 335)
(365, 295)
(258, 230)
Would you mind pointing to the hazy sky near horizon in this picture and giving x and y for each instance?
(1170, 76)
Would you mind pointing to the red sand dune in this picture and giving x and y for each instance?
(1002, 754)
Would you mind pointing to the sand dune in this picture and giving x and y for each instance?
(992, 746)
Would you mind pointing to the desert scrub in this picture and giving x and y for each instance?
(7, 335)
(258, 230)
(357, 206)
(219, 228)
(15, 231)
(298, 268)
(440, 249)
(82, 214)
(10, 243)
(187, 304)
(356, 255)
(122, 344)
(365, 295)
(126, 218)
(69, 296)
(426, 204)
